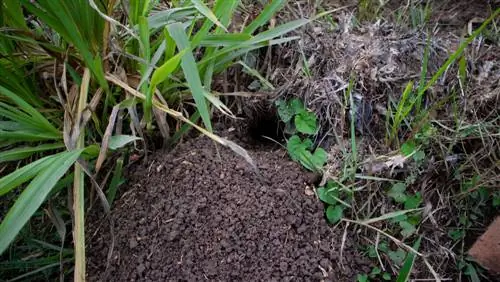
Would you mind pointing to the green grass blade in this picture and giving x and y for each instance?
(27, 135)
(405, 271)
(116, 181)
(264, 17)
(33, 196)
(154, 61)
(22, 153)
(37, 117)
(458, 52)
(225, 39)
(224, 10)
(263, 39)
(389, 216)
(277, 31)
(165, 17)
(204, 10)
(224, 59)
(13, 14)
(162, 73)
(423, 74)
(146, 56)
(256, 73)
(20, 176)
(190, 69)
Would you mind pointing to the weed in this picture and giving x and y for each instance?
(336, 199)
(304, 123)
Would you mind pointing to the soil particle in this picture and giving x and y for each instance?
(206, 216)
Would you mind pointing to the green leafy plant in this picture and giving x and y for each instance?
(304, 123)
(336, 199)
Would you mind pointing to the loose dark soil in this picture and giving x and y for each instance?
(201, 213)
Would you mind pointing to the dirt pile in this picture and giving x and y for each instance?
(201, 213)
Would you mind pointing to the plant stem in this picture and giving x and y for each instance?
(78, 188)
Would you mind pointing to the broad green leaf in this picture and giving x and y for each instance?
(471, 271)
(306, 122)
(397, 256)
(118, 141)
(375, 271)
(398, 192)
(161, 73)
(419, 156)
(496, 199)
(319, 158)
(33, 196)
(334, 213)
(295, 146)
(285, 111)
(191, 74)
(412, 202)
(22, 153)
(405, 271)
(299, 151)
(362, 278)
(204, 10)
(456, 234)
(407, 229)
(408, 148)
(297, 106)
(328, 195)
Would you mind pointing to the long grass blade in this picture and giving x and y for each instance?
(405, 271)
(190, 69)
(166, 69)
(33, 196)
(24, 174)
(451, 59)
(264, 16)
(22, 153)
(204, 10)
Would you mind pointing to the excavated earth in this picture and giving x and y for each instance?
(201, 212)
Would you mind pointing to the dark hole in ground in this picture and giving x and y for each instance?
(265, 128)
(200, 213)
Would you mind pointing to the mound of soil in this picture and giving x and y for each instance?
(201, 213)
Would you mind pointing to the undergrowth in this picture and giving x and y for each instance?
(417, 139)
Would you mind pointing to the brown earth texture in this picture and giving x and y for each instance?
(201, 213)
